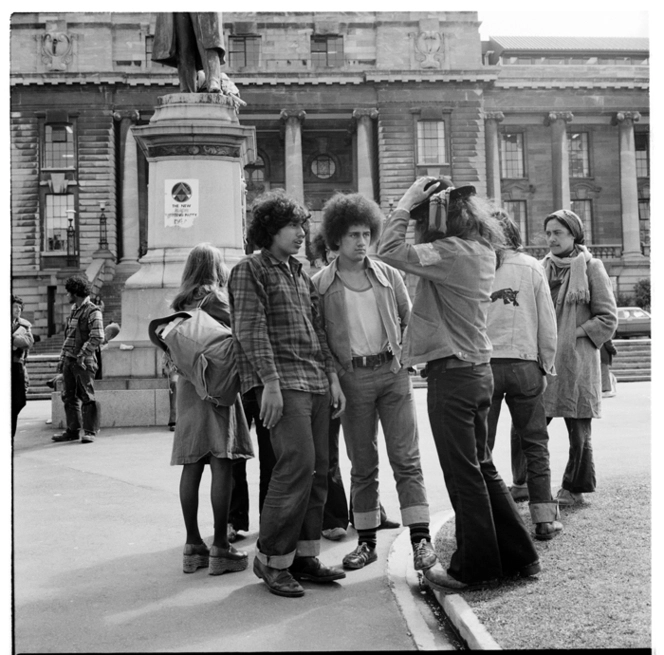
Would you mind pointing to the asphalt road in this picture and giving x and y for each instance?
(98, 538)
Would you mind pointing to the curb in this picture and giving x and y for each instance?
(422, 625)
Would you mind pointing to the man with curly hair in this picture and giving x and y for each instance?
(282, 354)
(78, 362)
(366, 308)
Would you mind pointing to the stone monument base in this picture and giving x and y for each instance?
(129, 402)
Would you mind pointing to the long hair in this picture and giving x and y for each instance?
(78, 285)
(512, 235)
(204, 272)
(470, 218)
(342, 211)
(272, 211)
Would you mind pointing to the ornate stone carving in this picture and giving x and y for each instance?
(360, 113)
(623, 116)
(428, 46)
(300, 114)
(133, 115)
(195, 150)
(553, 116)
(497, 116)
(57, 50)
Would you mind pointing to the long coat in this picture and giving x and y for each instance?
(206, 23)
(576, 391)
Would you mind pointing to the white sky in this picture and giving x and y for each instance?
(563, 23)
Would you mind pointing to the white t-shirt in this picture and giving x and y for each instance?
(367, 333)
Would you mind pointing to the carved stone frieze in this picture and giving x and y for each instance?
(194, 150)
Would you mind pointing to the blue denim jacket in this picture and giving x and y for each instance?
(393, 304)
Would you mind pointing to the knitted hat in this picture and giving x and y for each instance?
(571, 221)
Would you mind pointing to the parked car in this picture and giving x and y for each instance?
(632, 322)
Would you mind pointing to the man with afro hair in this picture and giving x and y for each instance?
(366, 308)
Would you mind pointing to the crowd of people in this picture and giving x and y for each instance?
(336, 351)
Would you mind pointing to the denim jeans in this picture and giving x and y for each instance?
(579, 475)
(492, 539)
(78, 397)
(521, 383)
(373, 394)
(292, 516)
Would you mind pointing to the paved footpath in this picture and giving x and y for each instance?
(98, 539)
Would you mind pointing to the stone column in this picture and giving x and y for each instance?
(293, 119)
(365, 151)
(629, 193)
(130, 231)
(558, 120)
(492, 119)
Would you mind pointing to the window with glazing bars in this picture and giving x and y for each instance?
(641, 142)
(55, 220)
(584, 210)
(518, 210)
(577, 150)
(58, 146)
(244, 51)
(511, 155)
(431, 142)
(327, 51)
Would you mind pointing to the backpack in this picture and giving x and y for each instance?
(201, 349)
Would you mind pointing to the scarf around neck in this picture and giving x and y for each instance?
(578, 290)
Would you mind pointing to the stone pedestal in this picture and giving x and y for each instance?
(197, 152)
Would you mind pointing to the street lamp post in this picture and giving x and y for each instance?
(71, 238)
(103, 230)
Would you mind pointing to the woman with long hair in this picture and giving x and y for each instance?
(455, 262)
(205, 433)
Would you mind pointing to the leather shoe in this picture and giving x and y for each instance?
(387, 524)
(530, 569)
(568, 498)
(547, 531)
(278, 581)
(424, 556)
(334, 534)
(440, 580)
(65, 436)
(311, 568)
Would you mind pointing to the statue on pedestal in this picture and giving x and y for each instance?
(191, 42)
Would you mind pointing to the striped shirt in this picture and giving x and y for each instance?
(74, 336)
(277, 331)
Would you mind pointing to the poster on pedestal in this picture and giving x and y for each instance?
(180, 202)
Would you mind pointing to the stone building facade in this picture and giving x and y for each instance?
(352, 101)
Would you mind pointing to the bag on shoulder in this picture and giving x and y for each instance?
(201, 349)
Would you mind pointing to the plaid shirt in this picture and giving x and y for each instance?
(96, 327)
(276, 325)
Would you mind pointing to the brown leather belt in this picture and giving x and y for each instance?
(372, 361)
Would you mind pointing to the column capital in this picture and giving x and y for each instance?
(624, 116)
(131, 114)
(361, 113)
(299, 114)
(497, 116)
(554, 116)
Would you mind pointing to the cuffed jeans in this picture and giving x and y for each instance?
(292, 516)
(579, 475)
(78, 397)
(521, 383)
(492, 539)
(373, 394)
